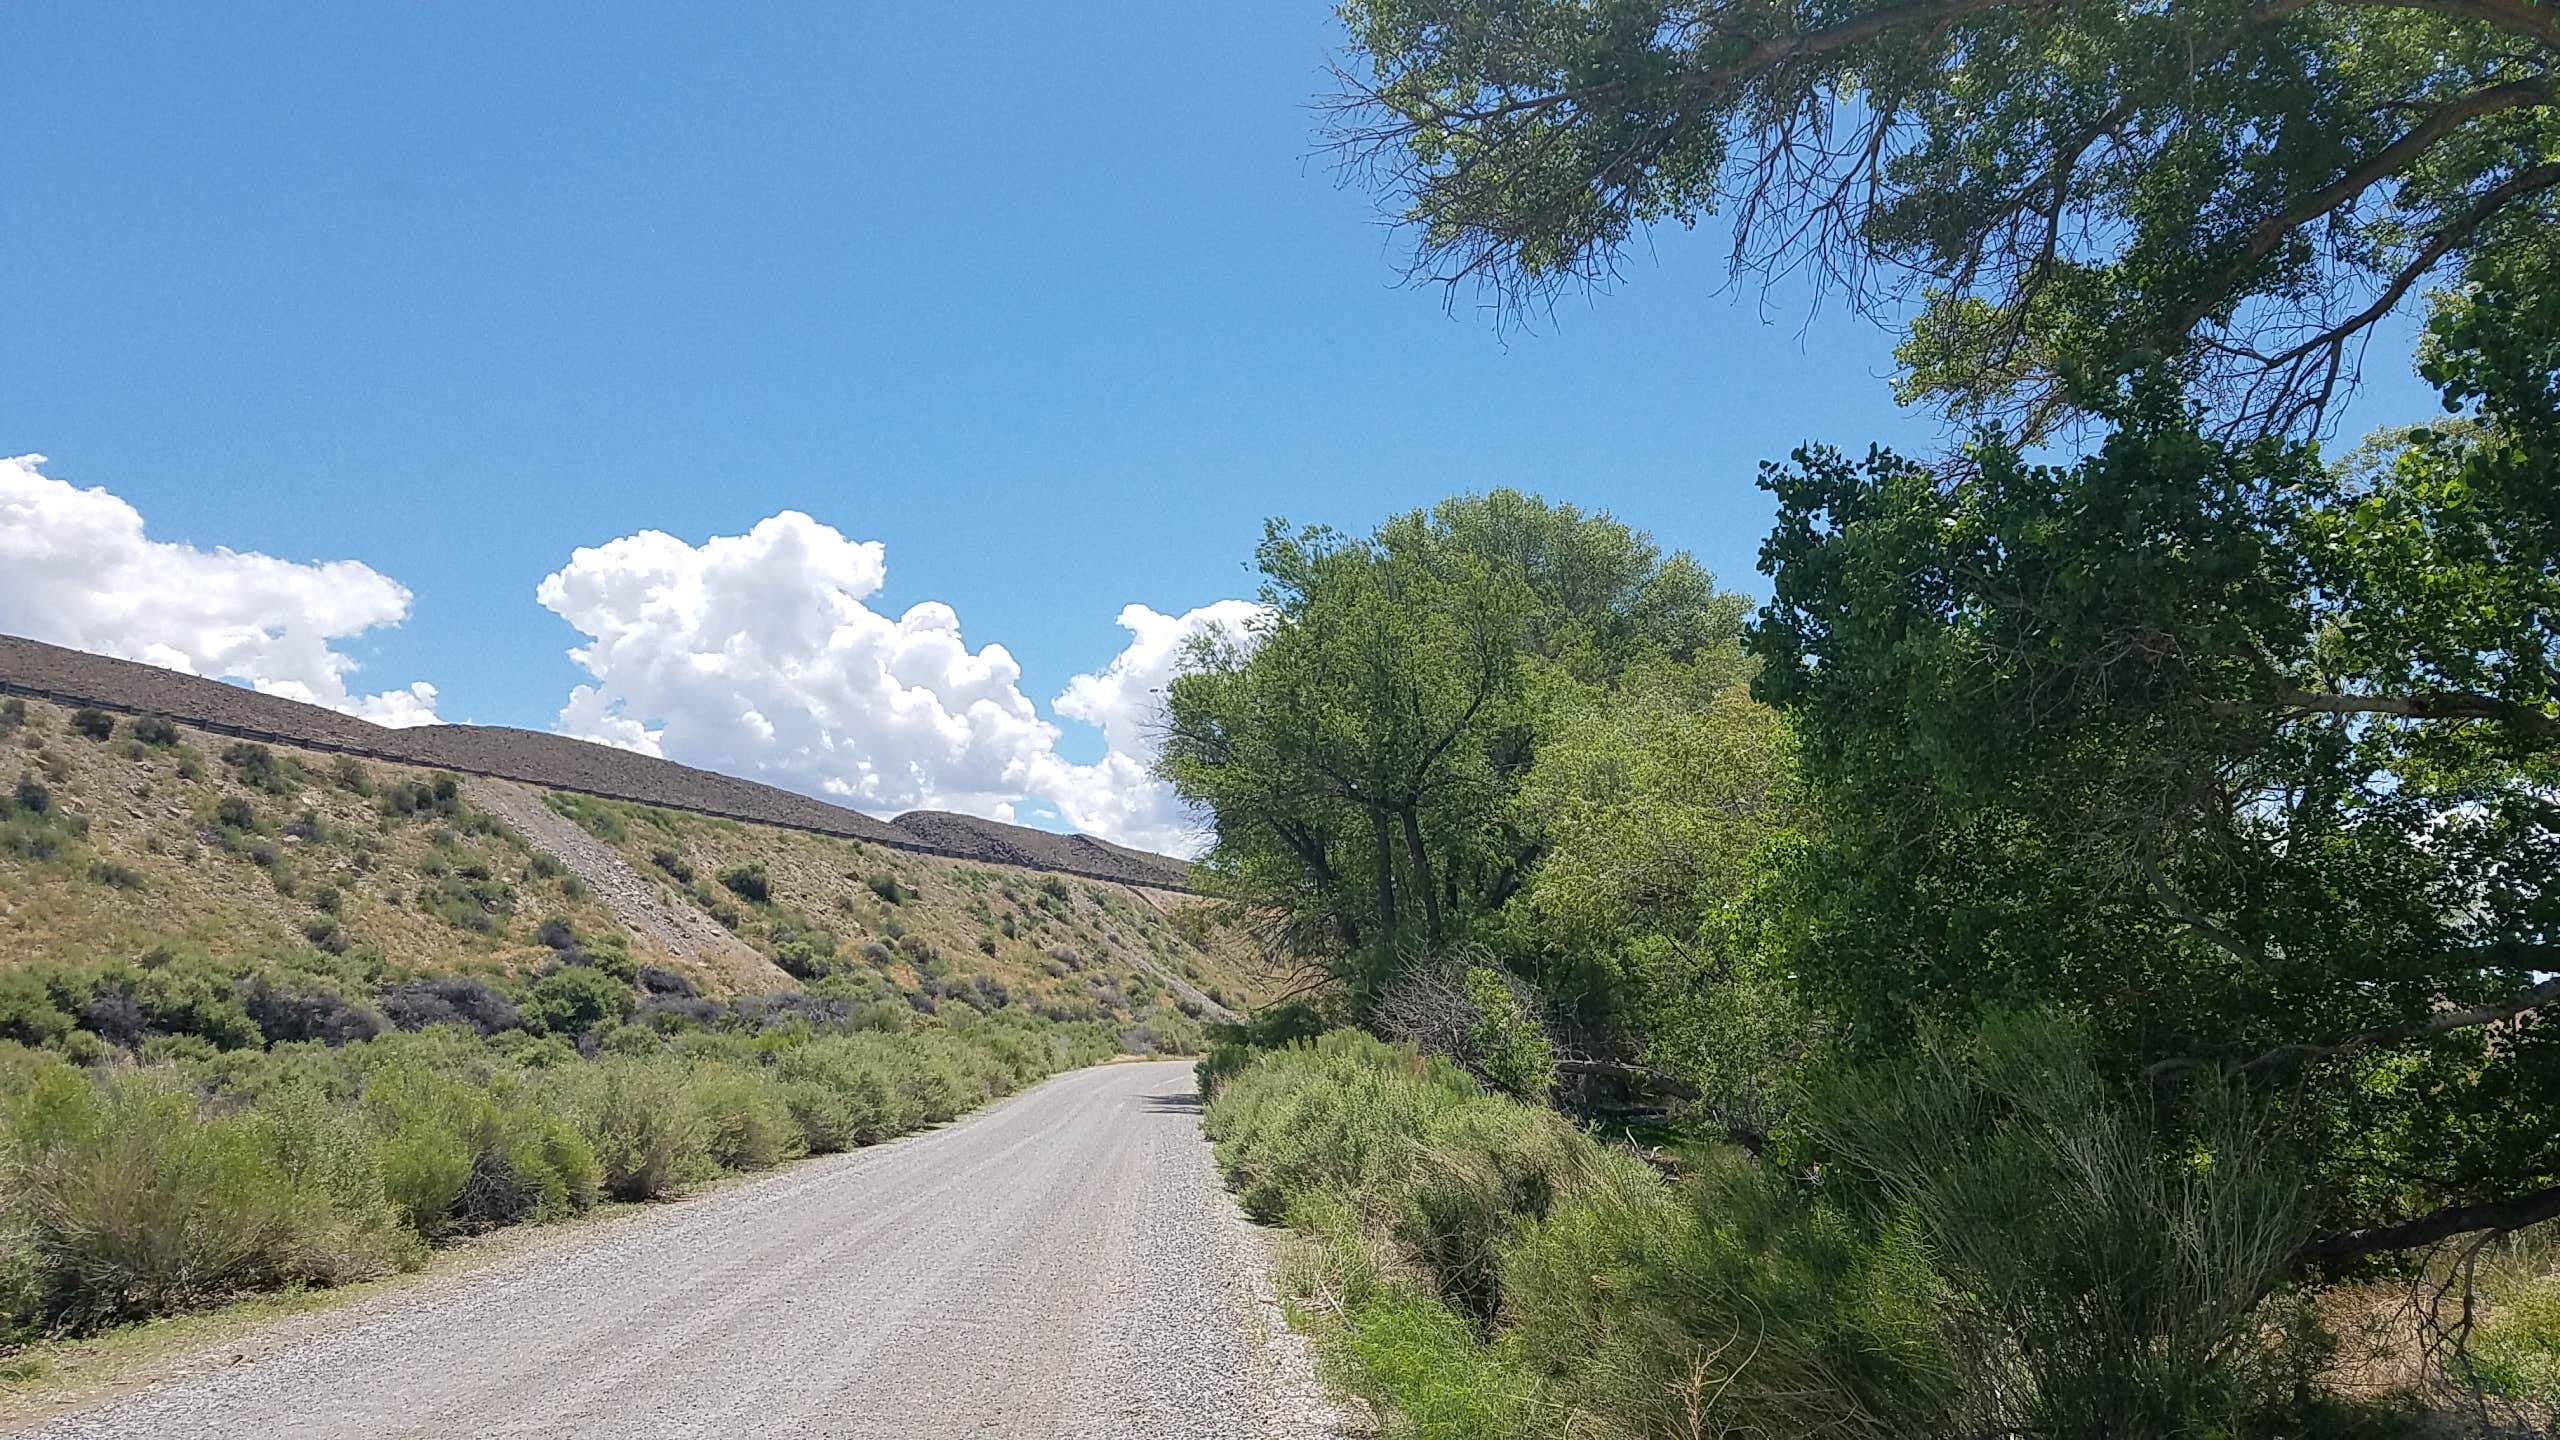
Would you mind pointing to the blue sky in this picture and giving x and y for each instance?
(1057, 303)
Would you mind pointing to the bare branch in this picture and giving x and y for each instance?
(2442, 1022)
(2498, 1216)
(2429, 705)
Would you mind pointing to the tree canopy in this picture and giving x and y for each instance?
(1372, 764)
(2067, 191)
(2245, 761)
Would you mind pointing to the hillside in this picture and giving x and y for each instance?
(129, 840)
(36, 670)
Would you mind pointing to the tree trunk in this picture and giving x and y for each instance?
(1386, 874)
(1422, 873)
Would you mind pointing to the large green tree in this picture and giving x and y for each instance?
(2251, 764)
(1361, 762)
(2068, 189)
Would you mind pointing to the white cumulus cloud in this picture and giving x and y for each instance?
(76, 569)
(1119, 797)
(754, 654)
(758, 655)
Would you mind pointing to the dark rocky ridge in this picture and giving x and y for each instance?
(554, 762)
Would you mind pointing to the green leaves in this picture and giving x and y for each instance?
(2246, 763)
(1364, 764)
(2074, 192)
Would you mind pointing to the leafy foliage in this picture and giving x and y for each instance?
(1363, 762)
(2069, 191)
(2164, 739)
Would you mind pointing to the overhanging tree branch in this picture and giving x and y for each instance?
(2426, 705)
(2442, 1022)
(2514, 1213)
(2399, 155)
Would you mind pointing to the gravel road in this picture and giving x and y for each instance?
(1061, 1264)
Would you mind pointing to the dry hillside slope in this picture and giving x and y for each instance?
(32, 669)
(129, 840)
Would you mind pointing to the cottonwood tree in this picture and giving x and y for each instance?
(2067, 189)
(2250, 764)
(1360, 764)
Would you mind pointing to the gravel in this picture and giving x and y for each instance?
(682, 929)
(1062, 1264)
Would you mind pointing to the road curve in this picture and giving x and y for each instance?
(1063, 1264)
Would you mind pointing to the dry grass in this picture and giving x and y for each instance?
(200, 889)
(2476, 1332)
(956, 907)
(154, 810)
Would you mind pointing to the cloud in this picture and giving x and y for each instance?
(1119, 797)
(758, 655)
(755, 654)
(76, 569)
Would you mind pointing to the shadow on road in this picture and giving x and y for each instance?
(1185, 1103)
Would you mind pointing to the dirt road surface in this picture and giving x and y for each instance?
(1061, 1264)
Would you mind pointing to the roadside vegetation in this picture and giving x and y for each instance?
(2076, 962)
(272, 1020)
(140, 1190)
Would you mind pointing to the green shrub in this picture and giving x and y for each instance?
(134, 1204)
(425, 1164)
(115, 875)
(465, 1155)
(96, 724)
(673, 864)
(155, 730)
(748, 882)
(31, 1012)
(648, 1137)
(845, 1093)
(257, 767)
(1979, 1238)
(748, 1118)
(138, 1191)
(35, 826)
(1493, 1270)
(436, 798)
(2119, 1272)
(595, 815)
(1429, 1364)
(477, 903)
(1648, 1285)
(575, 999)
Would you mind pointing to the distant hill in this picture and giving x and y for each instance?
(179, 861)
(554, 762)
